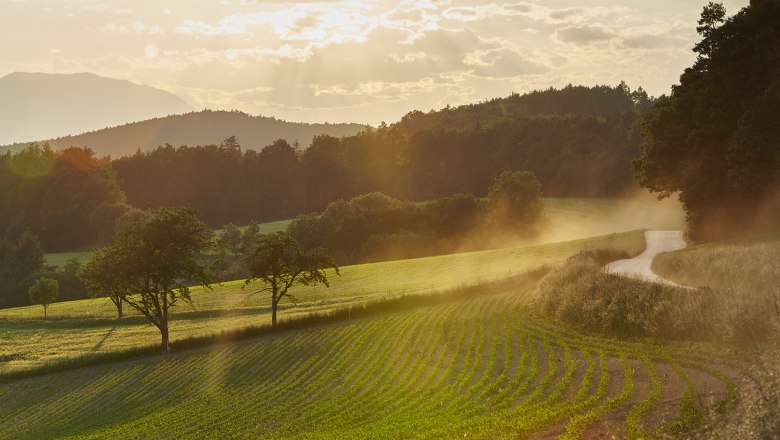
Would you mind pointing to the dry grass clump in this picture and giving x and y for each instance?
(745, 285)
(582, 294)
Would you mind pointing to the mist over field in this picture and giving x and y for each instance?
(389, 220)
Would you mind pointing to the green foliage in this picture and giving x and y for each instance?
(104, 276)
(67, 275)
(577, 140)
(278, 262)
(68, 198)
(21, 258)
(374, 227)
(159, 259)
(229, 240)
(44, 292)
(714, 138)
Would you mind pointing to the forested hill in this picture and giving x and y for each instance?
(598, 101)
(197, 128)
(578, 141)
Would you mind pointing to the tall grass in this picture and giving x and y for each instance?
(581, 293)
(743, 282)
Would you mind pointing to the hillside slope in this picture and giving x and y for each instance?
(481, 368)
(36, 106)
(205, 127)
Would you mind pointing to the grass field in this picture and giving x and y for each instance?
(481, 368)
(88, 326)
(567, 219)
(58, 259)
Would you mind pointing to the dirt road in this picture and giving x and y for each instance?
(639, 267)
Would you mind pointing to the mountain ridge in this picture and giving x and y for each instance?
(35, 105)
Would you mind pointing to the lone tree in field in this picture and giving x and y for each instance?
(278, 261)
(160, 258)
(103, 275)
(44, 292)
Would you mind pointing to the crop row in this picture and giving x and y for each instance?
(483, 368)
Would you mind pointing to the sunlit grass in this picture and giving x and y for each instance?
(472, 368)
(85, 326)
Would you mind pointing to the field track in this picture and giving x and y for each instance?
(640, 266)
(482, 368)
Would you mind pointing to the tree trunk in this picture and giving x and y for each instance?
(45, 307)
(273, 312)
(118, 305)
(164, 333)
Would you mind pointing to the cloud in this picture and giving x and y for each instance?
(505, 63)
(650, 41)
(583, 35)
(482, 12)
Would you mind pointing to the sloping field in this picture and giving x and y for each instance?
(80, 327)
(479, 368)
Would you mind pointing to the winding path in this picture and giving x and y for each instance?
(639, 266)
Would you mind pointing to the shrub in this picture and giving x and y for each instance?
(581, 293)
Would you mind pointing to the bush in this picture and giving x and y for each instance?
(582, 294)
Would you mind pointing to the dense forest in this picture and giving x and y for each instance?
(578, 141)
(716, 138)
(68, 199)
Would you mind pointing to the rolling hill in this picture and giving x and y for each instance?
(36, 106)
(199, 128)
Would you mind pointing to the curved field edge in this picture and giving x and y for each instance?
(482, 367)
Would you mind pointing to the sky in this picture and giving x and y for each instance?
(353, 61)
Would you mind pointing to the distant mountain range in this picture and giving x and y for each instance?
(36, 106)
(197, 128)
(73, 109)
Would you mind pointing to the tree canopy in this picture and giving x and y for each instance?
(160, 259)
(716, 139)
(103, 276)
(43, 292)
(278, 263)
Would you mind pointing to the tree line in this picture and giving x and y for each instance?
(578, 141)
(377, 227)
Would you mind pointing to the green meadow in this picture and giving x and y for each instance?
(480, 368)
(88, 326)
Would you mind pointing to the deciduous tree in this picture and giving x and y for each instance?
(276, 261)
(44, 292)
(104, 276)
(161, 259)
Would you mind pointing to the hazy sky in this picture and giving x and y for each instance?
(358, 61)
